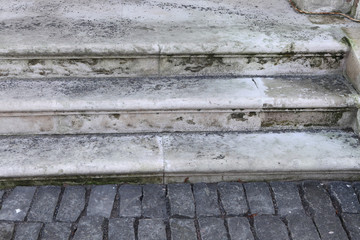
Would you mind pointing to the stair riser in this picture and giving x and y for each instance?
(174, 121)
(173, 65)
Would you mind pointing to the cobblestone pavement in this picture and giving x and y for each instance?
(258, 210)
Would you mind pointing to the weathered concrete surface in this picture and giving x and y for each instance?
(113, 105)
(174, 157)
(152, 38)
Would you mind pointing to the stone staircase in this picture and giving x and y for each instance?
(169, 91)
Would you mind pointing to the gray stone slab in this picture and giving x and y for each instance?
(287, 197)
(151, 229)
(16, 205)
(28, 231)
(212, 228)
(44, 204)
(270, 227)
(233, 198)
(259, 198)
(329, 227)
(153, 202)
(6, 231)
(121, 229)
(56, 231)
(206, 199)
(90, 227)
(352, 222)
(317, 198)
(183, 229)
(181, 200)
(130, 200)
(239, 228)
(101, 200)
(301, 227)
(72, 204)
(345, 196)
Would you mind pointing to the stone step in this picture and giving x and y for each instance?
(180, 157)
(167, 38)
(130, 105)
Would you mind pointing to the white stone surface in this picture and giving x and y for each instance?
(109, 94)
(353, 59)
(135, 38)
(153, 26)
(171, 157)
(325, 5)
(267, 153)
(114, 105)
(80, 155)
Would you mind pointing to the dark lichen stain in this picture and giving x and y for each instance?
(196, 63)
(191, 122)
(345, 41)
(295, 118)
(80, 180)
(219, 157)
(237, 116)
(117, 116)
(252, 114)
(35, 61)
(179, 119)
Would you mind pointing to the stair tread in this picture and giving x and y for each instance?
(114, 94)
(166, 155)
(153, 27)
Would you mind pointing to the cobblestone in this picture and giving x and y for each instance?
(330, 227)
(72, 204)
(206, 199)
(6, 230)
(305, 210)
(270, 227)
(352, 222)
(1, 194)
(345, 196)
(287, 197)
(239, 228)
(212, 228)
(121, 229)
(233, 198)
(318, 199)
(130, 203)
(28, 231)
(17, 204)
(56, 230)
(44, 204)
(90, 227)
(181, 200)
(356, 186)
(302, 227)
(259, 198)
(101, 200)
(183, 229)
(154, 205)
(152, 229)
